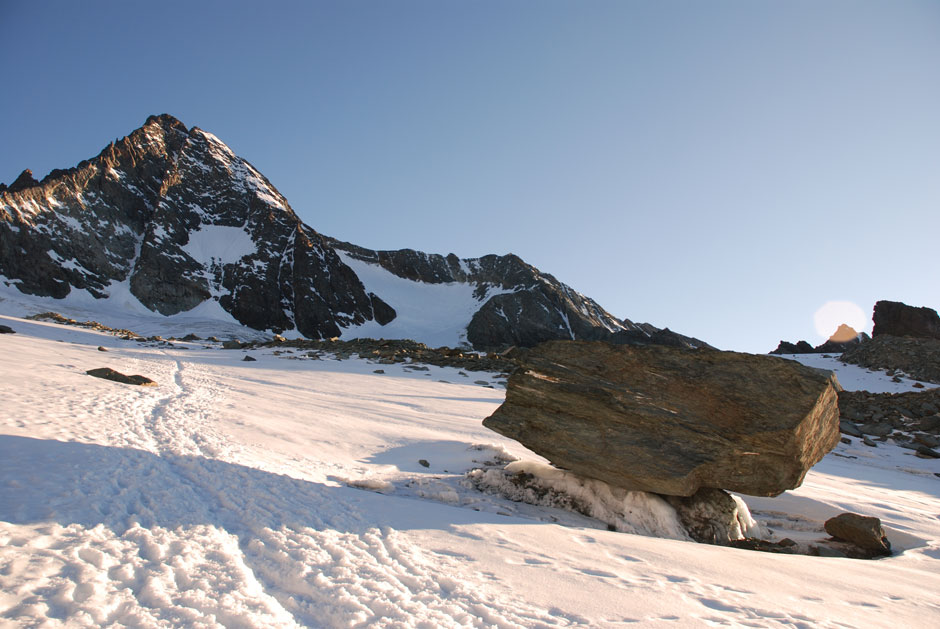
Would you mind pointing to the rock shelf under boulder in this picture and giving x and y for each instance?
(669, 420)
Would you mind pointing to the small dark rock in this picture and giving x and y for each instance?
(249, 359)
(102, 349)
(848, 428)
(5, 329)
(924, 452)
(930, 441)
(423, 463)
(845, 440)
(379, 371)
(869, 442)
(110, 374)
(232, 344)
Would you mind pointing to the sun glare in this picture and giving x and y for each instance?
(834, 313)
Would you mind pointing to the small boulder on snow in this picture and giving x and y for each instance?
(5, 329)
(670, 420)
(110, 374)
(863, 531)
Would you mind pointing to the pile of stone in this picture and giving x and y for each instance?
(911, 420)
(918, 358)
(55, 317)
(391, 351)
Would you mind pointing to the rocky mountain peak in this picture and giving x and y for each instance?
(25, 180)
(171, 215)
(843, 334)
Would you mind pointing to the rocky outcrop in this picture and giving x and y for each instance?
(842, 339)
(172, 214)
(919, 358)
(800, 347)
(893, 318)
(669, 420)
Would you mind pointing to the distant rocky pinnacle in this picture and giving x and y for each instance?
(842, 339)
(176, 218)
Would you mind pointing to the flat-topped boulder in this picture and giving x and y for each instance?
(894, 318)
(670, 420)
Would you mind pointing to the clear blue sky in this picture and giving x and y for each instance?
(721, 168)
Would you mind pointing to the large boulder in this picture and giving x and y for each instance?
(670, 420)
(893, 318)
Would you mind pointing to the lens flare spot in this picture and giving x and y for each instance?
(832, 314)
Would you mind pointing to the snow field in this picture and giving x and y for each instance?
(221, 497)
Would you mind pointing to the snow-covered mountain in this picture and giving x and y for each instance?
(172, 218)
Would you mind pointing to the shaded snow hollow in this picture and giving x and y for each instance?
(434, 314)
(221, 497)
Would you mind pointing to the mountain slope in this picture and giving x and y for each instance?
(171, 215)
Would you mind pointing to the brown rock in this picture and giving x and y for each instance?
(670, 420)
(863, 531)
(110, 374)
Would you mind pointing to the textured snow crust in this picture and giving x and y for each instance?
(299, 491)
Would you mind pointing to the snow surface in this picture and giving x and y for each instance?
(855, 378)
(434, 314)
(121, 309)
(227, 496)
(219, 244)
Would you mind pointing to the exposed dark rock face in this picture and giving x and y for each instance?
(180, 219)
(800, 347)
(25, 180)
(671, 421)
(893, 318)
(917, 357)
(842, 339)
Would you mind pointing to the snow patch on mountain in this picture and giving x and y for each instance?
(219, 244)
(434, 314)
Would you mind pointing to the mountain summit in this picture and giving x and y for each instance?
(176, 218)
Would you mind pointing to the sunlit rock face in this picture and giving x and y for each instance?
(671, 420)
